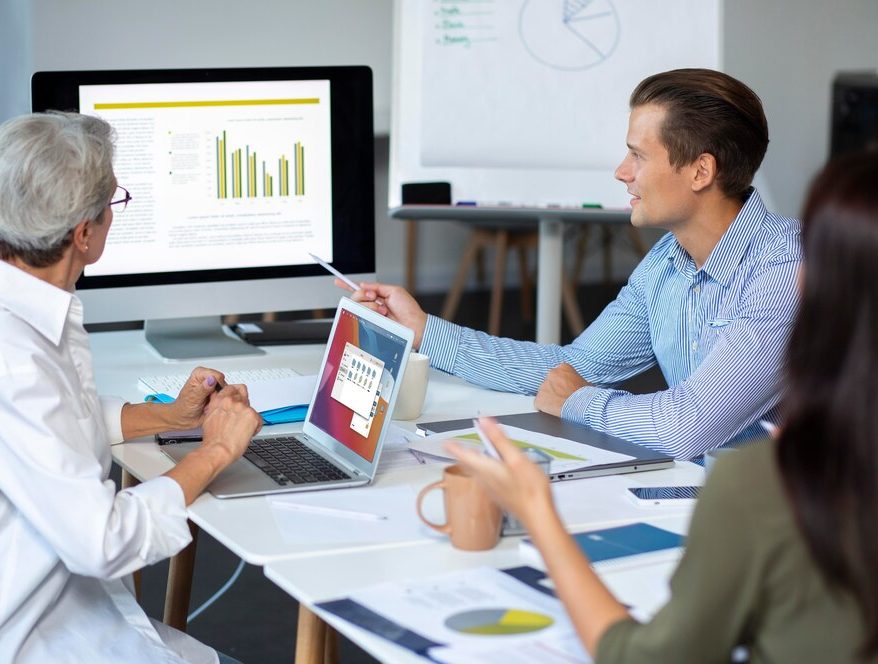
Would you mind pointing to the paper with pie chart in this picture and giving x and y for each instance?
(480, 614)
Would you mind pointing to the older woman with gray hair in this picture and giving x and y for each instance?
(68, 541)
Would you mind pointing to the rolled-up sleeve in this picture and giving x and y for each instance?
(111, 410)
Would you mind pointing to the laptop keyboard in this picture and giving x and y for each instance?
(287, 461)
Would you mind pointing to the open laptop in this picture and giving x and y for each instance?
(343, 433)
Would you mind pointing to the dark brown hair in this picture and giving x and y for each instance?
(828, 451)
(708, 111)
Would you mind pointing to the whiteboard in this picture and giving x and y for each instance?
(525, 102)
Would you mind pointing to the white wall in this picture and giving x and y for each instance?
(787, 50)
(15, 57)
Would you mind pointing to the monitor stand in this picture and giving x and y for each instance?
(190, 338)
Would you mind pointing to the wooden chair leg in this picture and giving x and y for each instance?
(570, 304)
(637, 241)
(179, 590)
(411, 254)
(331, 647)
(128, 481)
(527, 306)
(452, 300)
(607, 246)
(500, 245)
(581, 251)
(310, 637)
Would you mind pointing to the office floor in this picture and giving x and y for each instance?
(254, 621)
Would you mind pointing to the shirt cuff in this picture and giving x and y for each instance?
(440, 343)
(576, 408)
(167, 525)
(111, 409)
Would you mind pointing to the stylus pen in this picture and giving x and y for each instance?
(338, 274)
(330, 511)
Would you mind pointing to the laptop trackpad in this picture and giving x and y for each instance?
(239, 479)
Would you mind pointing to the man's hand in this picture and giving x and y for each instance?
(395, 302)
(560, 383)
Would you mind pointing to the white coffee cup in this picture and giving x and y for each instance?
(410, 401)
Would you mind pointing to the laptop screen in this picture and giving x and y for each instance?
(361, 367)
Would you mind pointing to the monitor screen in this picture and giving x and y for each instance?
(353, 393)
(236, 175)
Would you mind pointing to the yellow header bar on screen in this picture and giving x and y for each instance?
(217, 102)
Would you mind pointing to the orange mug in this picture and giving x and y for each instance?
(472, 519)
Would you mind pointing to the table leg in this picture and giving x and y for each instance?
(179, 590)
(128, 481)
(310, 637)
(331, 647)
(549, 266)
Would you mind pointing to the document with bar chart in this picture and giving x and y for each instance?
(231, 173)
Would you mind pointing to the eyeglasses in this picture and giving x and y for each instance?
(120, 197)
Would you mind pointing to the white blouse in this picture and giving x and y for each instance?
(68, 541)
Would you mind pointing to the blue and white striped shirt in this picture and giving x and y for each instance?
(718, 334)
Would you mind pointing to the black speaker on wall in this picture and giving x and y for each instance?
(854, 111)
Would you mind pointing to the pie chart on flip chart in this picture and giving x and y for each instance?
(569, 35)
(497, 622)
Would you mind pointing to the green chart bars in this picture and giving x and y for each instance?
(238, 176)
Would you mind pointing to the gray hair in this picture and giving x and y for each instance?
(56, 169)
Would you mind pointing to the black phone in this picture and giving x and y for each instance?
(180, 436)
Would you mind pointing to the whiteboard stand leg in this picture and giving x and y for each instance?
(550, 265)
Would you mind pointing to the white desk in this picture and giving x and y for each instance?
(318, 579)
(246, 526)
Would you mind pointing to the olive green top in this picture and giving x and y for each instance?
(746, 578)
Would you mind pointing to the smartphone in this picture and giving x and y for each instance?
(180, 436)
(663, 495)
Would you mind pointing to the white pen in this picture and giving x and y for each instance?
(338, 274)
(490, 450)
(330, 511)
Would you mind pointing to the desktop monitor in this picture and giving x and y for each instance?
(236, 176)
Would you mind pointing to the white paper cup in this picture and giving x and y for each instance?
(410, 401)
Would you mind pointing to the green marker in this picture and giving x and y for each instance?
(594, 206)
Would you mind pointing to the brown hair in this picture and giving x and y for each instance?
(827, 452)
(708, 111)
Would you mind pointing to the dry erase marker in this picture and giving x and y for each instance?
(338, 274)
(490, 450)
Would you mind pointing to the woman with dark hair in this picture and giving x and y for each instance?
(782, 553)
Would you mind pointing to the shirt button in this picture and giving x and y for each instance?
(694, 346)
(697, 290)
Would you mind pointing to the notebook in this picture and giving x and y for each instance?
(347, 421)
(632, 544)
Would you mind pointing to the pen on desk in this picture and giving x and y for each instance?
(338, 274)
(330, 511)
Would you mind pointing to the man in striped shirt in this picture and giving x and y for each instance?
(712, 303)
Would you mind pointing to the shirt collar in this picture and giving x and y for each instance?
(40, 304)
(728, 252)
